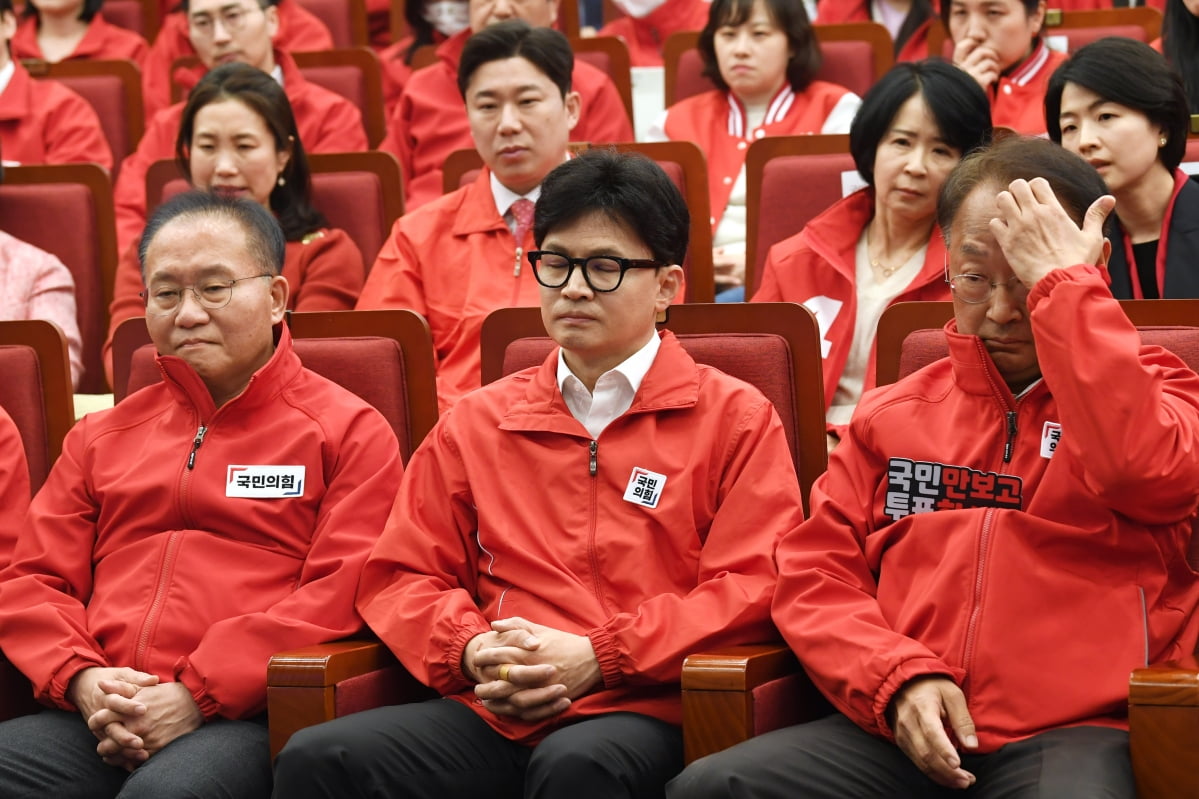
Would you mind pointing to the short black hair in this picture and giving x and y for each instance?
(1075, 182)
(1134, 75)
(544, 48)
(955, 100)
(626, 187)
(791, 18)
(264, 237)
(87, 13)
(262, 94)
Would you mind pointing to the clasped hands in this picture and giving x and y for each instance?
(131, 713)
(528, 670)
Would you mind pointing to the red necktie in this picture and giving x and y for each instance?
(522, 212)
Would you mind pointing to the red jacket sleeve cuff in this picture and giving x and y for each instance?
(195, 685)
(607, 655)
(56, 690)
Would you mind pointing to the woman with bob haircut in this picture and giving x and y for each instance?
(1180, 44)
(238, 138)
(999, 44)
(71, 31)
(763, 57)
(1119, 105)
(881, 244)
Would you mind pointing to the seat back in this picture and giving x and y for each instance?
(345, 19)
(682, 161)
(360, 193)
(355, 74)
(67, 210)
(774, 346)
(113, 88)
(774, 166)
(855, 55)
(140, 16)
(385, 357)
(609, 55)
(36, 390)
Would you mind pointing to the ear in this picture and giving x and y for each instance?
(1105, 254)
(574, 109)
(554, 11)
(272, 21)
(1037, 18)
(279, 293)
(670, 283)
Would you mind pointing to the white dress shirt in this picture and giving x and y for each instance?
(614, 391)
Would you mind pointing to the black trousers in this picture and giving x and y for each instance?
(442, 749)
(836, 759)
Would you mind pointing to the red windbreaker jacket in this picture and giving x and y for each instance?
(143, 550)
(1033, 550)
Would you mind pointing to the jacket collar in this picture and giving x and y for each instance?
(189, 389)
(834, 234)
(973, 370)
(776, 111)
(476, 211)
(450, 51)
(1028, 69)
(671, 382)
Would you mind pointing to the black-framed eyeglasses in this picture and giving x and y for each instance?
(165, 299)
(602, 272)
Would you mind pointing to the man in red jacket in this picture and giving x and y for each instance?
(430, 122)
(190, 532)
(460, 257)
(567, 535)
(1002, 536)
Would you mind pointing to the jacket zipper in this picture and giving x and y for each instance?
(984, 543)
(593, 469)
(516, 276)
(1011, 437)
(165, 567)
(196, 442)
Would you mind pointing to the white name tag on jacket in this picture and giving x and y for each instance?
(1051, 434)
(645, 487)
(266, 482)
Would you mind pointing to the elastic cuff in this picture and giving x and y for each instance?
(195, 685)
(457, 651)
(607, 655)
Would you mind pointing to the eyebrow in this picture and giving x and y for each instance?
(220, 10)
(973, 250)
(215, 270)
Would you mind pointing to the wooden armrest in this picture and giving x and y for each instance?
(1163, 716)
(718, 702)
(301, 684)
(327, 664)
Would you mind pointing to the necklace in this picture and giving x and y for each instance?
(886, 270)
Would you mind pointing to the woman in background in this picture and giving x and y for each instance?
(238, 138)
(70, 30)
(1119, 105)
(763, 57)
(880, 245)
(999, 44)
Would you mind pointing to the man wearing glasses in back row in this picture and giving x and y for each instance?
(184, 536)
(566, 535)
